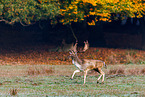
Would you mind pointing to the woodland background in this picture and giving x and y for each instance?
(28, 29)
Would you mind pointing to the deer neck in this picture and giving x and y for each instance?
(77, 62)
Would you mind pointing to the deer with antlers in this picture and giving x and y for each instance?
(84, 65)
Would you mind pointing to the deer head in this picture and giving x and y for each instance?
(72, 53)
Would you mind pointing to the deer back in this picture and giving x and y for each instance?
(90, 63)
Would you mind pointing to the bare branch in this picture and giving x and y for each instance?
(9, 22)
(12, 22)
(73, 33)
(26, 24)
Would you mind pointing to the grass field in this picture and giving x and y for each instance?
(54, 80)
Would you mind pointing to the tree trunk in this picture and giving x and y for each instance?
(143, 33)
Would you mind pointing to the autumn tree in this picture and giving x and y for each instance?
(67, 11)
(100, 10)
(28, 12)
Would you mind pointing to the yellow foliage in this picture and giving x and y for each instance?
(92, 23)
(63, 10)
(75, 20)
(93, 2)
(75, 12)
(62, 20)
(92, 13)
(70, 7)
(79, 9)
(82, 19)
(103, 19)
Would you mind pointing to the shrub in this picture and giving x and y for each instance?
(129, 59)
(143, 71)
(38, 71)
(13, 92)
(135, 71)
(116, 71)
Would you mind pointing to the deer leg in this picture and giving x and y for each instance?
(85, 74)
(102, 74)
(74, 73)
(99, 78)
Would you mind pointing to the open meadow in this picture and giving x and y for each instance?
(36, 72)
(54, 80)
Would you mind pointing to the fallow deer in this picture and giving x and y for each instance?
(87, 64)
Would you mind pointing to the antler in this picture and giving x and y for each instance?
(86, 45)
(75, 47)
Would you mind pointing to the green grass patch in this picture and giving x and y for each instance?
(58, 83)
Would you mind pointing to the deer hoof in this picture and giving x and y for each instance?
(97, 82)
(71, 78)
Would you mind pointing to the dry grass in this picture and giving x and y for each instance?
(40, 55)
(113, 71)
(126, 70)
(59, 83)
(1, 84)
(129, 59)
(121, 71)
(135, 71)
(39, 70)
(13, 92)
(112, 59)
(37, 80)
(143, 71)
(116, 71)
(67, 70)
